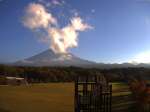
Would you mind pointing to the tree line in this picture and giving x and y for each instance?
(68, 74)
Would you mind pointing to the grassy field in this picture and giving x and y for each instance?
(52, 97)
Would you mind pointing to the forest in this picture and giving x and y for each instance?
(68, 74)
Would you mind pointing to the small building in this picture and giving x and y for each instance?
(13, 81)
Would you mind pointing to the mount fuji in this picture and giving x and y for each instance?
(50, 58)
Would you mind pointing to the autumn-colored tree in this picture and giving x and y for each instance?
(141, 93)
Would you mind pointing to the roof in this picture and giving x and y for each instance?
(17, 78)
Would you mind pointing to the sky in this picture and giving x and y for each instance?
(115, 31)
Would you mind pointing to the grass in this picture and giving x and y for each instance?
(120, 89)
(52, 97)
(37, 98)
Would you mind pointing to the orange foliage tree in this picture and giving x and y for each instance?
(141, 93)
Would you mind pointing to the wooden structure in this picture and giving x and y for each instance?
(92, 94)
(5, 80)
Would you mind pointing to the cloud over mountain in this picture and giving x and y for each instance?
(61, 39)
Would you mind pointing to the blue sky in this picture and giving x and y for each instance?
(121, 30)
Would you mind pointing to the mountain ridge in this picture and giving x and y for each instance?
(50, 58)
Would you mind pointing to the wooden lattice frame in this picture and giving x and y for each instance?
(92, 95)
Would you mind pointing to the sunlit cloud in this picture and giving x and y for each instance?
(67, 37)
(52, 3)
(60, 39)
(37, 17)
(143, 57)
(56, 2)
(77, 24)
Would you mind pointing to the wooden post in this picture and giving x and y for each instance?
(110, 98)
(76, 95)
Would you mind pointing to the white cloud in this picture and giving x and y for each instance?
(78, 24)
(67, 37)
(60, 39)
(52, 3)
(37, 17)
(143, 57)
(56, 2)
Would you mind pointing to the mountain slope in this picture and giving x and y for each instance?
(49, 58)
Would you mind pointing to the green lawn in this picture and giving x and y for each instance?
(52, 97)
